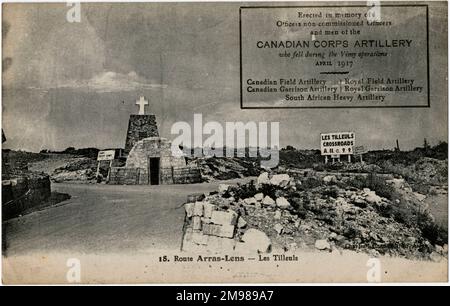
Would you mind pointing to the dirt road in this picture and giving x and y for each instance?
(105, 218)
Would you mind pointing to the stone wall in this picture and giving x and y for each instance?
(153, 147)
(125, 176)
(140, 127)
(21, 192)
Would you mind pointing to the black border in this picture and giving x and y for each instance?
(329, 107)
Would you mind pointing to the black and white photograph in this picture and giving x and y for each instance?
(224, 142)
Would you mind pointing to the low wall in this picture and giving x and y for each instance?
(22, 192)
(167, 176)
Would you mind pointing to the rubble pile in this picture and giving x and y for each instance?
(308, 212)
(226, 168)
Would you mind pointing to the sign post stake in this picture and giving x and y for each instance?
(326, 159)
(109, 170)
(349, 158)
(360, 157)
(98, 169)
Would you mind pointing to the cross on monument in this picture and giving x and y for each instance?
(142, 103)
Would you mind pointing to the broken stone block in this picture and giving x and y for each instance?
(322, 244)
(259, 196)
(420, 196)
(278, 228)
(205, 220)
(373, 198)
(218, 230)
(220, 245)
(223, 188)
(226, 231)
(223, 217)
(211, 229)
(250, 201)
(256, 241)
(330, 179)
(283, 203)
(208, 208)
(263, 178)
(199, 238)
(241, 222)
(277, 215)
(268, 201)
(189, 208)
(198, 209)
(436, 257)
(281, 180)
(196, 223)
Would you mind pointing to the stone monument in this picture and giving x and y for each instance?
(140, 126)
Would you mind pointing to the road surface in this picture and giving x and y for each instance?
(104, 219)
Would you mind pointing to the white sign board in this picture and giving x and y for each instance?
(359, 150)
(106, 155)
(339, 143)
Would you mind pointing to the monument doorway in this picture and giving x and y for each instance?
(153, 170)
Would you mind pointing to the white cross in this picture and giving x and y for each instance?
(142, 103)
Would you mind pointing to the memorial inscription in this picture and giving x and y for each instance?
(334, 56)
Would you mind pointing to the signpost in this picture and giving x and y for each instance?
(105, 155)
(359, 150)
(337, 144)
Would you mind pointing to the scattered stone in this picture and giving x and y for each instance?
(330, 179)
(278, 228)
(371, 196)
(419, 196)
(263, 178)
(223, 188)
(268, 201)
(439, 249)
(283, 203)
(322, 245)
(241, 222)
(250, 201)
(281, 180)
(259, 196)
(277, 215)
(256, 240)
(436, 257)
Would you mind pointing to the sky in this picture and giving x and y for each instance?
(75, 84)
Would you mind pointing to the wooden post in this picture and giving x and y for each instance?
(349, 158)
(109, 170)
(360, 158)
(326, 159)
(98, 169)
